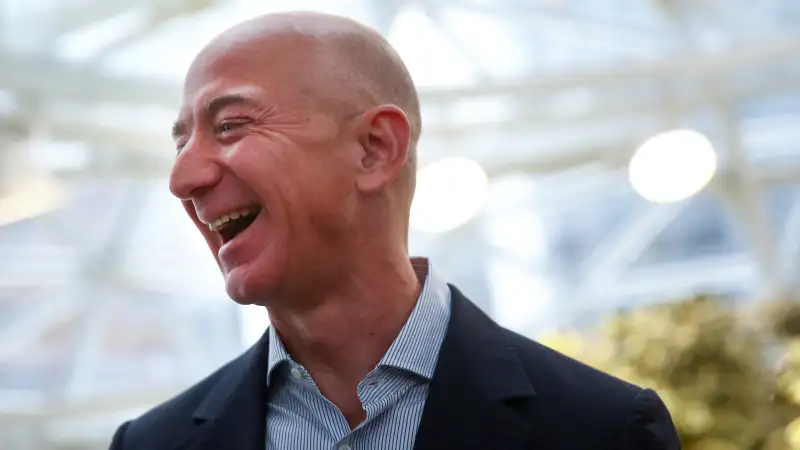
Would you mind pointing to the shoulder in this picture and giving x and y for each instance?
(567, 392)
(553, 373)
(167, 424)
(605, 408)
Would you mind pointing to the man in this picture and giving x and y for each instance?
(296, 158)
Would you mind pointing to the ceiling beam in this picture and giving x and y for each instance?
(53, 80)
(159, 13)
(105, 404)
(745, 193)
(570, 139)
(73, 16)
(608, 112)
(28, 329)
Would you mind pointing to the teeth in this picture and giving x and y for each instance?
(223, 221)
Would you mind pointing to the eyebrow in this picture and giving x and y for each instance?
(213, 107)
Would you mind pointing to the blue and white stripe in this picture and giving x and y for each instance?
(299, 417)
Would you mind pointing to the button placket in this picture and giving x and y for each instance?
(296, 373)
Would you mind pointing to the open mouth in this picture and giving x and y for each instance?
(230, 225)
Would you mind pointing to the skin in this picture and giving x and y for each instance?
(314, 118)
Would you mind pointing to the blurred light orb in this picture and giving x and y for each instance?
(672, 166)
(449, 193)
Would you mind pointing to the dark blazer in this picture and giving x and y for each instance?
(492, 389)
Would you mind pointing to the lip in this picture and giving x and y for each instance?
(229, 251)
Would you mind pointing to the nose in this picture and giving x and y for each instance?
(193, 173)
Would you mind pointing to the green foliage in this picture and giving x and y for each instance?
(711, 365)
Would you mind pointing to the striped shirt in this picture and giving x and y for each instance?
(393, 395)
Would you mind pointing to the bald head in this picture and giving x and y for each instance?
(341, 65)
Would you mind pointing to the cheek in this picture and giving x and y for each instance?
(302, 187)
(261, 164)
(280, 183)
(331, 206)
(312, 203)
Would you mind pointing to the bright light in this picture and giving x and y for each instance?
(34, 197)
(25, 190)
(430, 56)
(672, 166)
(449, 193)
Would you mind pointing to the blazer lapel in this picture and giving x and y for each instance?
(233, 414)
(479, 392)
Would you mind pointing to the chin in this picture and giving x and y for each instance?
(250, 287)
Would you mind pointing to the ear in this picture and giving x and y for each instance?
(384, 136)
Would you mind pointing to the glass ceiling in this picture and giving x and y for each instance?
(570, 49)
(492, 47)
(544, 229)
(475, 44)
(447, 43)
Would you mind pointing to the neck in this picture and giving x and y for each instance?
(346, 333)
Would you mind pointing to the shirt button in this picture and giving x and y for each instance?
(296, 373)
(345, 447)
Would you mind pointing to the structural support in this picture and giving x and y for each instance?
(55, 80)
(719, 275)
(107, 405)
(624, 246)
(385, 13)
(434, 13)
(159, 12)
(93, 329)
(29, 328)
(790, 246)
(570, 139)
(74, 15)
(744, 191)
(99, 266)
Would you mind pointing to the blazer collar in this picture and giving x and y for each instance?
(477, 397)
(479, 394)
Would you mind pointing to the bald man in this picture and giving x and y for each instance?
(296, 153)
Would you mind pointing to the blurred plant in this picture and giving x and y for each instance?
(710, 365)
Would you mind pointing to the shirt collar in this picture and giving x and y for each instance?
(416, 347)
(277, 353)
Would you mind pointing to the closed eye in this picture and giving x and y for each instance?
(179, 144)
(230, 125)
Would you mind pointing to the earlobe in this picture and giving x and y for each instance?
(385, 140)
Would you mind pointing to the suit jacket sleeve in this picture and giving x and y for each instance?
(116, 441)
(649, 425)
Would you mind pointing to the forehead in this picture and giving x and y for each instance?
(221, 93)
(264, 74)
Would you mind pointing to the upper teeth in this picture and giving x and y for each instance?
(222, 221)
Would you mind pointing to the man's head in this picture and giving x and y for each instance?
(296, 151)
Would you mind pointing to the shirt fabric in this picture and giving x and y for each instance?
(393, 395)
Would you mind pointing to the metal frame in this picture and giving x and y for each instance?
(545, 132)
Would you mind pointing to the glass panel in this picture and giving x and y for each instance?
(705, 228)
